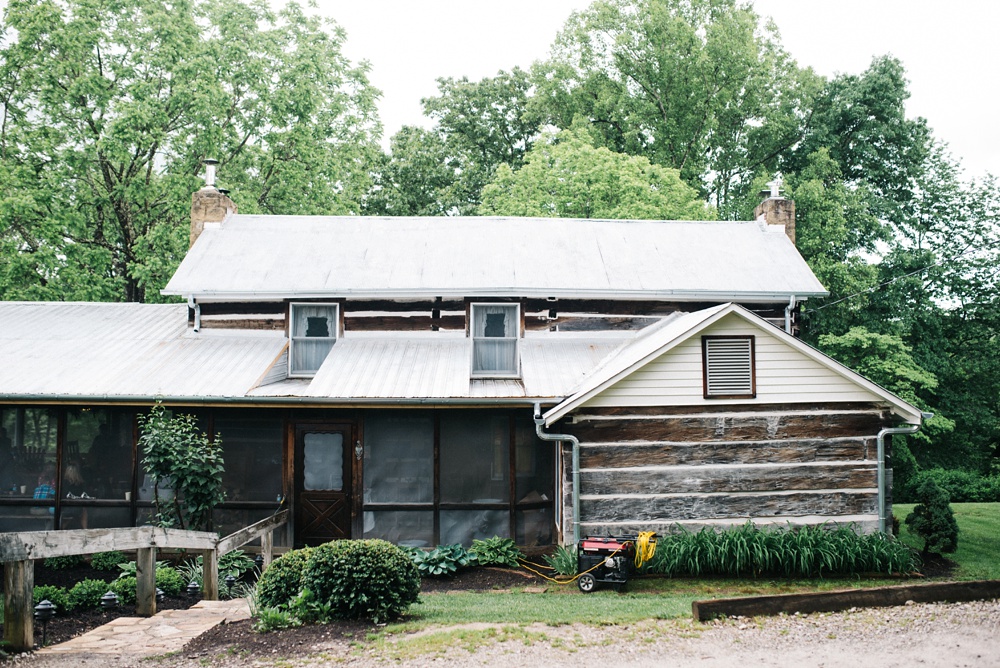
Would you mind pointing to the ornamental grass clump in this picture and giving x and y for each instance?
(811, 551)
(361, 579)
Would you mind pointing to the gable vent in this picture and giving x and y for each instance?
(728, 363)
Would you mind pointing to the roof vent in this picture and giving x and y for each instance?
(210, 164)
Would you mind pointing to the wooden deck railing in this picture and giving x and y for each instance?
(18, 551)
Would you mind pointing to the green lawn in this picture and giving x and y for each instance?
(978, 553)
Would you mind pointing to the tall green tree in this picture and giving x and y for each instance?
(108, 107)
(567, 177)
(701, 86)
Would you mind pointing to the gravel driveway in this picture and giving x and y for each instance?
(958, 635)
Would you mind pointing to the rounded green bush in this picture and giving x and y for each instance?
(362, 579)
(169, 581)
(125, 588)
(86, 594)
(57, 596)
(281, 581)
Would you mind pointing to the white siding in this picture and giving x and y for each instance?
(784, 375)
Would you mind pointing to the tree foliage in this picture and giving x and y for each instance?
(107, 109)
(180, 457)
(566, 176)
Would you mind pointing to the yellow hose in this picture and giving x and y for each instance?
(645, 547)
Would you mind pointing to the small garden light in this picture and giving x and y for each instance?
(258, 561)
(109, 601)
(45, 611)
(159, 595)
(230, 583)
(193, 589)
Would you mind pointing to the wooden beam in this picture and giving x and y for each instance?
(740, 452)
(210, 575)
(833, 601)
(252, 532)
(145, 589)
(18, 604)
(267, 547)
(23, 545)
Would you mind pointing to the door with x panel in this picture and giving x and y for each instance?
(323, 502)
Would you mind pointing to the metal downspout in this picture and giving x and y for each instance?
(880, 440)
(788, 314)
(539, 424)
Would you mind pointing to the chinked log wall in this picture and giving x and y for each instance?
(654, 468)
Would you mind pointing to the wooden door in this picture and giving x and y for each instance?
(323, 474)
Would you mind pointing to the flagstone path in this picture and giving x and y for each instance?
(166, 631)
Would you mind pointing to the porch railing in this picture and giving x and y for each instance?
(18, 550)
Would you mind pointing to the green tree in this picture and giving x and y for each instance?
(179, 456)
(107, 109)
(932, 518)
(567, 177)
(418, 177)
(702, 86)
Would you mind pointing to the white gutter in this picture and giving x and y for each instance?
(539, 425)
(880, 440)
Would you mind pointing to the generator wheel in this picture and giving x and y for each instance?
(586, 583)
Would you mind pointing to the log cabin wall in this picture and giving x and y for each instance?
(657, 468)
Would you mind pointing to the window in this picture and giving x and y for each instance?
(728, 363)
(494, 339)
(313, 333)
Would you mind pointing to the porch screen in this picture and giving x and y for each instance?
(399, 458)
(252, 450)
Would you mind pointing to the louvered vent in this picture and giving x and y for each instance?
(729, 368)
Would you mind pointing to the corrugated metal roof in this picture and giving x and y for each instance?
(124, 350)
(265, 256)
(108, 351)
(438, 365)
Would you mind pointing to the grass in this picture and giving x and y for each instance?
(978, 554)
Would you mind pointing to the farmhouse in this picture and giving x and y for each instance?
(436, 380)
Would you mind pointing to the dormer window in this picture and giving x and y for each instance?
(495, 331)
(313, 333)
(729, 367)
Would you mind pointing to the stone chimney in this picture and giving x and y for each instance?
(776, 210)
(209, 205)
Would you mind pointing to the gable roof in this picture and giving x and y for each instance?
(659, 339)
(266, 257)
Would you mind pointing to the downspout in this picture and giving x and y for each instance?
(880, 440)
(196, 307)
(788, 314)
(539, 425)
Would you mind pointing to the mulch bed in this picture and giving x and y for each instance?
(238, 638)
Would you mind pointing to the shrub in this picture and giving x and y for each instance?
(563, 561)
(801, 552)
(932, 518)
(496, 551)
(170, 581)
(86, 594)
(125, 588)
(281, 581)
(107, 561)
(961, 486)
(442, 561)
(362, 579)
(57, 596)
(131, 568)
(64, 563)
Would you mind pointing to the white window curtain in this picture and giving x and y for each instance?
(314, 331)
(494, 338)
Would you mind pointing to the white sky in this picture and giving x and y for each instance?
(950, 50)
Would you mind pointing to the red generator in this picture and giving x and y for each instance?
(606, 560)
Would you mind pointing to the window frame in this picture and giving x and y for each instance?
(753, 365)
(334, 329)
(516, 338)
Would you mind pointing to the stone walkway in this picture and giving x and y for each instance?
(164, 632)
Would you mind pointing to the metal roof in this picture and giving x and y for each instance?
(110, 351)
(261, 257)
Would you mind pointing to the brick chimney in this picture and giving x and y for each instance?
(776, 210)
(209, 205)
